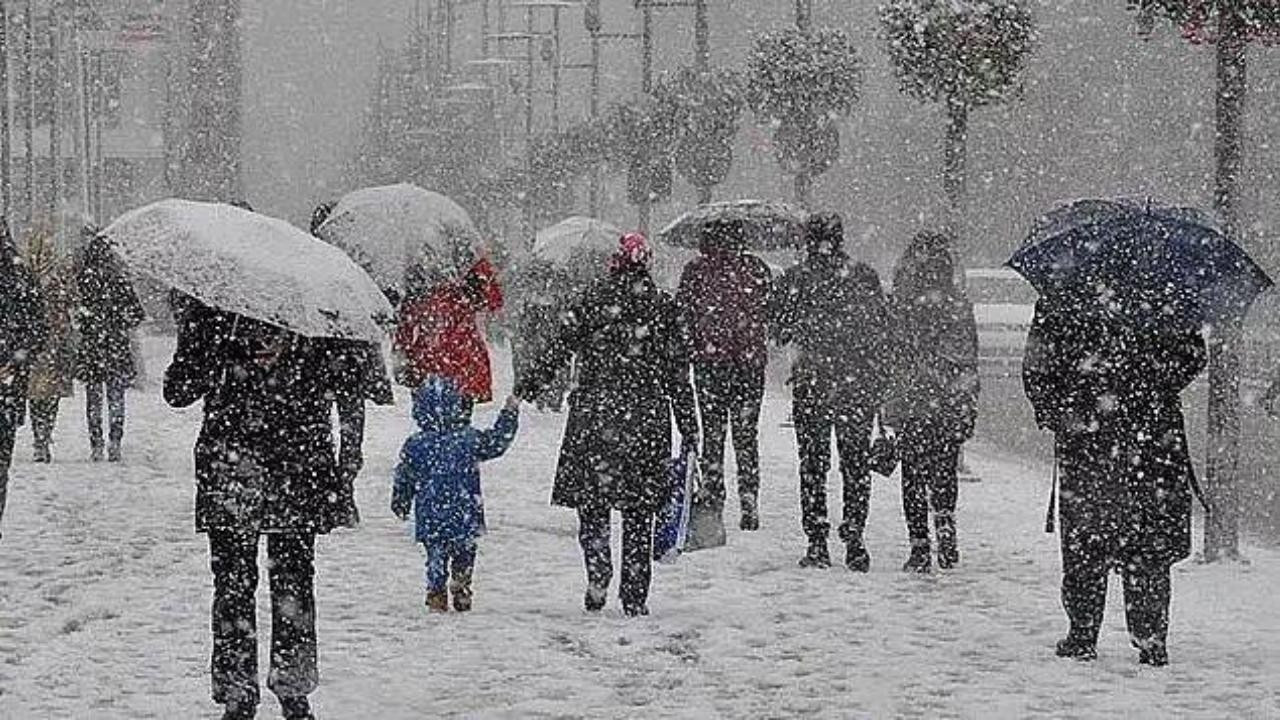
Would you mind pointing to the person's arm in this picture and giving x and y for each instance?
(197, 361)
(494, 442)
(679, 385)
(404, 485)
(542, 370)
(350, 435)
(1037, 373)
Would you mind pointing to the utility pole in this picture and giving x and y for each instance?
(701, 37)
(6, 149)
(594, 23)
(55, 128)
(29, 109)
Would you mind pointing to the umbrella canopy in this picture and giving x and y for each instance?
(562, 243)
(1146, 260)
(252, 265)
(769, 225)
(390, 229)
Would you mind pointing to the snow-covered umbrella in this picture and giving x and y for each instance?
(768, 225)
(389, 229)
(570, 239)
(252, 265)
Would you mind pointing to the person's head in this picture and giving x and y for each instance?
(320, 214)
(633, 253)
(824, 235)
(926, 266)
(438, 404)
(724, 235)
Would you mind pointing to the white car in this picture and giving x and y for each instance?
(1003, 305)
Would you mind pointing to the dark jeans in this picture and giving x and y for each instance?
(929, 453)
(637, 552)
(44, 417)
(114, 391)
(8, 429)
(730, 394)
(454, 559)
(816, 416)
(291, 571)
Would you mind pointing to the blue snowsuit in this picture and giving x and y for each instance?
(439, 474)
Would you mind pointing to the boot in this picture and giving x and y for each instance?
(750, 520)
(460, 588)
(920, 560)
(42, 453)
(1077, 647)
(945, 526)
(239, 711)
(856, 557)
(113, 452)
(595, 598)
(95, 451)
(817, 555)
(296, 708)
(437, 601)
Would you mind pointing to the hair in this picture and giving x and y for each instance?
(824, 233)
(926, 264)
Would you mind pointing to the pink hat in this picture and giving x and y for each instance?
(633, 249)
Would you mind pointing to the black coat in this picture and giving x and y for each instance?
(107, 311)
(835, 313)
(1111, 395)
(264, 459)
(23, 328)
(633, 375)
(935, 366)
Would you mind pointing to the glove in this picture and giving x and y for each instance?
(400, 507)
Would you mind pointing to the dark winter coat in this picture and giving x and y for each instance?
(1111, 395)
(723, 297)
(633, 375)
(264, 459)
(22, 328)
(107, 312)
(439, 470)
(935, 362)
(833, 310)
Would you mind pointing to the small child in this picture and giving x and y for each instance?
(439, 473)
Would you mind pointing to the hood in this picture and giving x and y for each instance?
(437, 404)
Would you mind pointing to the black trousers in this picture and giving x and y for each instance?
(637, 552)
(44, 417)
(729, 396)
(114, 390)
(233, 557)
(816, 416)
(8, 430)
(929, 454)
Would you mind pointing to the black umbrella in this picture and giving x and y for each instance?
(768, 225)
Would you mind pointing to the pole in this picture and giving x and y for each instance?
(804, 15)
(701, 37)
(55, 127)
(645, 208)
(555, 69)
(954, 172)
(29, 110)
(6, 147)
(528, 127)
(597, 176)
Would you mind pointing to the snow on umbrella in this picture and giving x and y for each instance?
(563, 243)
(1150, 261)
(390, 229)
(253, 265)
(769, 225)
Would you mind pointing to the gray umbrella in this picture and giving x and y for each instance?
(769, 225)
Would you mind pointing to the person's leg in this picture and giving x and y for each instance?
(462, 560)
(593, 537)
(1085, 538)
(233, 558)
(744, 420)
(637, 559)
(93, 396)
(1147, 591)
(853, 441)
(943, 492)
(8, 429)
(710, 384)
(115, 390)
(813, 423)
(913, 445)
(44, 415)
(291, 572)
(437, 575)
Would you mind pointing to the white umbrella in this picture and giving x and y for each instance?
(252, 265)
(388, 229)
(565, 241)
(768, 225)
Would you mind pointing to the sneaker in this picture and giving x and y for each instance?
(919, 561)
(1153, 653)
(817, 555)
(856, 557)
(750, 520)
(296, 708)
(461, 591)
(595, 598)
(437, 601)
(1076, 649)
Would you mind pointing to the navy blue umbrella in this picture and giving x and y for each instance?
(1148, 262)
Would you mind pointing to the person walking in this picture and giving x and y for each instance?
(723, 298)
(22, 337)
(935, 401)
(1110, 394)
(51, 372)
(438, 478)
(107, 311)
(265, 466)
(834, 311)
(633, 378)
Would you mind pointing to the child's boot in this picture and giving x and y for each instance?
(437, 601)
(460, 587)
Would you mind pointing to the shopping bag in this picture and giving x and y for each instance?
(671, 527)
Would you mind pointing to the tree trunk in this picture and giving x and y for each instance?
(644, 213)
(212, 164)
(954, 173)
(701, 36)
(803, 184)
(1221, 532)
(804, 15)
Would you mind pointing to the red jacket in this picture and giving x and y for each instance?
(439, 335)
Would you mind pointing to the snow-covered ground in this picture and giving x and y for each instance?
(104, 594)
